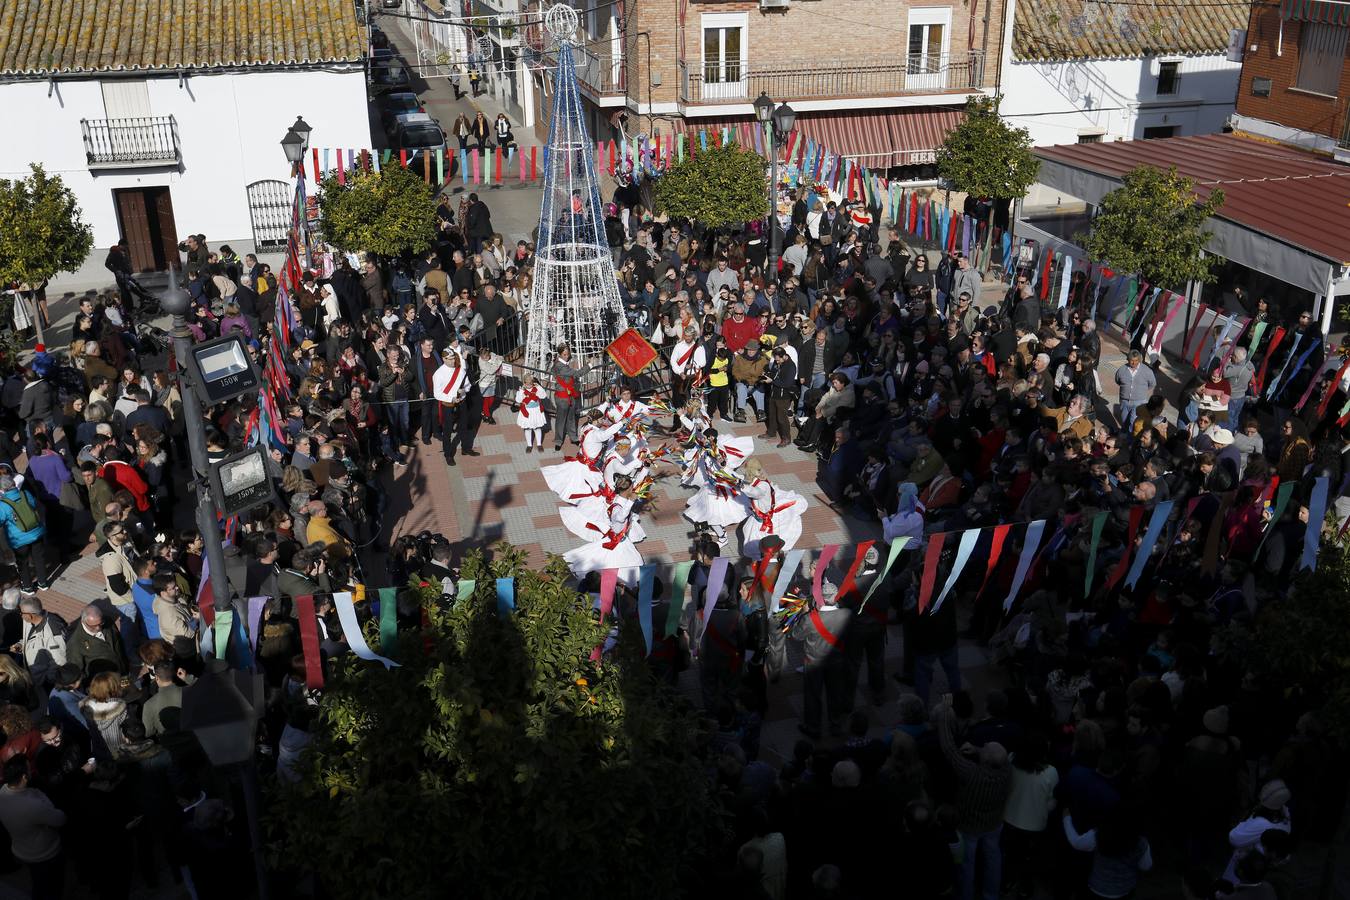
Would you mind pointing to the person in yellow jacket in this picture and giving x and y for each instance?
(719, 382)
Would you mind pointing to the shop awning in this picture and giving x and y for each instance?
(877, 139)
(1316, 11)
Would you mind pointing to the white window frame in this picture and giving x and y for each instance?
(929, 15)
(725, 90)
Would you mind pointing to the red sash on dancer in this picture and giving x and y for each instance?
(687, 354)
(603, 490)
(531, 396)
(830, 637)
(766, 518)
(567, 389)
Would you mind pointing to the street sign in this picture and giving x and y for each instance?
(240, 482)
(222, 369)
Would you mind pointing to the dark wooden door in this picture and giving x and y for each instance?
(134, 222)
(167, 230)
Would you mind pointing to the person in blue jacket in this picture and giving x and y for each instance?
(143, 593)
(25, 532)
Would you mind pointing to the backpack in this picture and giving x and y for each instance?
(24, 513)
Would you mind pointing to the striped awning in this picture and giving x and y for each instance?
(1330, 13)
(877, 139)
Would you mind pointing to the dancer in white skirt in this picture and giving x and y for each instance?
(578, 476)
(718, 505)
(773, 510)
(530, 414)
(613, 549)
(625, 458)
(591, 516)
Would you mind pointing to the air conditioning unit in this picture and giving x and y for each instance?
(774, 4)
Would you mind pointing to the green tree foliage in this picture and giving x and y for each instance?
(1153, 224)
(719, 186)
(1301, 645)
(385, 213)
(499, 760)
(41, 232)
(984, 156)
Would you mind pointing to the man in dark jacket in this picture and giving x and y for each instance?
(495, 312)
(95, 646)
(478, 223)
(823, 635)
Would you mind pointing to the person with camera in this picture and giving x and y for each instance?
(783, 387)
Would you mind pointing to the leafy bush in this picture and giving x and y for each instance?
(716, 187)
(500, 758)
(385, 213)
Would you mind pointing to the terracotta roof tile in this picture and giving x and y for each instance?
(43, 37)
(1051, 30)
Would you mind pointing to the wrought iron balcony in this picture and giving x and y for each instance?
(131, 143)
(732, 82)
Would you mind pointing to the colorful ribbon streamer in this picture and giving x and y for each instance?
(646, 588)
(896, 547)
(352, 629)
(464, 589)
(679, 581)
(792, 564)
(1155, 527)
(822, 563)
(309, 641)
(221, 629)
(963, 550)
(388, 619)
(717, 576)
(1098, 523)
(1317, 511)
(506, 597)
(1030, 543)
(931, 558)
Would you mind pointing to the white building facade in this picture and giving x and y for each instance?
(1072, 73)
(158, 149)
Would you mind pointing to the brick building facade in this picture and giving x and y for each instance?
(1295, 84)
(880, 81)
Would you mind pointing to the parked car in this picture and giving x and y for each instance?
(391, 4)
(378, 39)
(418, 134)
(396, 106)
(389, 76)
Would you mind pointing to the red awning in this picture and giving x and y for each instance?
(877, 139)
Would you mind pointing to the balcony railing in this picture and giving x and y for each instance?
(128, 143)
(736, 83)
(598, 74)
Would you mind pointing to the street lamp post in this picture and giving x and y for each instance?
(780, 121)
(295, 144)
(175, 302)
(221, 708)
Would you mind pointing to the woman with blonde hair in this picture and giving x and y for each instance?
(104, 711)
(15, 685)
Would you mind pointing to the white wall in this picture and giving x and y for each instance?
(229, 125)
(1057, 102)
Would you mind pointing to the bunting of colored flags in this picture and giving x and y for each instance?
(1022, 570)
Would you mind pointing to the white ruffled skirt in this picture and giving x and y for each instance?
(568, 479)
(594, 557)
(787, 524)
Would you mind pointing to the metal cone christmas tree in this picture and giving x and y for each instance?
(575, 296)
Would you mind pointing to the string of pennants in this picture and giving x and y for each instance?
(1147, 313)
(233, 639)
